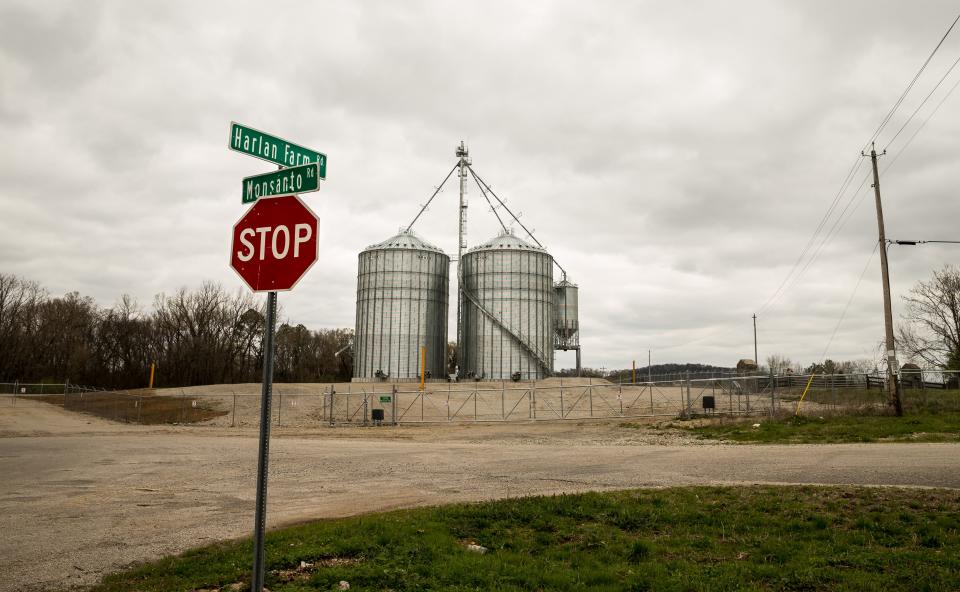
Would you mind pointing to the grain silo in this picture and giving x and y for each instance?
(566, 320)
(402, 300)
(508, 306)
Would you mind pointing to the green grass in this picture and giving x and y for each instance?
(700, 538)
(920, 427)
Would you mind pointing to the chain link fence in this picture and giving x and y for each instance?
(553, 399)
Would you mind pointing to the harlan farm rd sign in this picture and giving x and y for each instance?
(273, 149)
(301, 179)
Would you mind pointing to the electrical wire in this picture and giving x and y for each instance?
(843, 315)
(903, 95)
(813, 237)
(924, 102)
(832, 232)
(841, 221)
(793, 276)
(920, 127)
(426, 205)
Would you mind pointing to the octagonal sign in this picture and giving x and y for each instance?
(274, 243)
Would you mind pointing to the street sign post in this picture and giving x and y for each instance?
(300, 179)
(274, 244)
(273, 149)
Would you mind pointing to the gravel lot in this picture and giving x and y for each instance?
(81, 497)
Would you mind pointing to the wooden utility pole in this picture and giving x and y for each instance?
(893, 367)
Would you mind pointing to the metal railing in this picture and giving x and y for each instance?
(554, 399)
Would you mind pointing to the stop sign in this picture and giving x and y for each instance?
(274, 243)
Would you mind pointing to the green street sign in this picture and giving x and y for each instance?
(300, 179)
(385, 398)
(273, 149)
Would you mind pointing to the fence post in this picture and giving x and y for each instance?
(590, 393)
(366, 406)
(773, 398)
(393, 400)
(333, 393)
(923, 388)
(233, 414)
(689, 402)
(16, 387)
(503, 409)
(561, 403)
(683, 405)
(534, 400)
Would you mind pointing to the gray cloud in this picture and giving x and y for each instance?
(675, 159)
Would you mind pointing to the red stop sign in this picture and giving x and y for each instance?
(274, 243)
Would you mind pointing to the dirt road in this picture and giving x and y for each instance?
(81, 497)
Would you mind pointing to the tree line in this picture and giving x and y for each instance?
(202, 336)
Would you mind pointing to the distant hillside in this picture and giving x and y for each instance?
(655, 372)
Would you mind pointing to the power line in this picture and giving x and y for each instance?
(924, 102)
(832, 232)
(833, 204)
(843, 315)
(896, 105)
(921, 242)
(921, 126)
(793, 276)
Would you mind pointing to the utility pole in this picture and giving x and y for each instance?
(893, 369)
(756, 358)
(649, 368)
(463, 154)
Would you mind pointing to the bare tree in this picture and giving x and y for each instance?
(779, 364)
(19, 305)
(203, 336)
(930, 333)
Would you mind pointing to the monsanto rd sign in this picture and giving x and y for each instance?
(300, 179)
(274, 244)
(273, 149)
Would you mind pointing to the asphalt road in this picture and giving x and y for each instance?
(80, 497)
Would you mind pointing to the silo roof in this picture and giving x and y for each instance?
(507, 240)
(405, 240)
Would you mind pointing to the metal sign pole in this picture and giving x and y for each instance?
(267, 393)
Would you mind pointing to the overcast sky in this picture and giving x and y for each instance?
(674, 157)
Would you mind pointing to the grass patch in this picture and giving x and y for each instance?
(699, 538)
(923, 427)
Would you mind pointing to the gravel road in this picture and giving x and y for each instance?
(81, 497)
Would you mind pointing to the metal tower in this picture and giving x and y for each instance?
(464, 166)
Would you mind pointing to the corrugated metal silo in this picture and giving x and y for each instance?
(402, 300)
(507, 310)
(566, 321)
